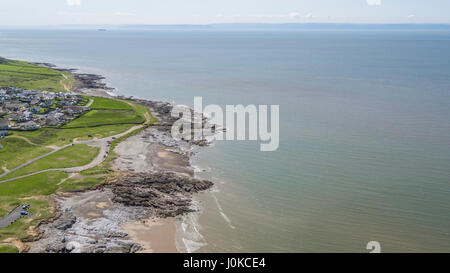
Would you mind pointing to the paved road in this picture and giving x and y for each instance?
(101, 143)
(11, 217)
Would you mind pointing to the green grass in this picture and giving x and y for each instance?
(16, 151)
(8, 249)
(106, 117)
(84, 100)
(72, 156)
(106, 103)
(39, 211)
(24, 75)
(76, 184)
(142, 110)
(111, 111)
(39, 184)
(59, 137)
(18, 192)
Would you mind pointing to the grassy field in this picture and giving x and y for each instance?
(106, 103)
(24, 75)
(106, 117)
(72, 156)
(81, 183)
(16, 151)
(143, 111)
(8, 249)
(59, 137)
(39, 211)
(28, 190)
(39, 184)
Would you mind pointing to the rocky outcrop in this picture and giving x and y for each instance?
(83, 80)
(166, 194)
(91, 221)
(79, 226)
(90, 81)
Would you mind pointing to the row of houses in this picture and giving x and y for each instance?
(32, 109)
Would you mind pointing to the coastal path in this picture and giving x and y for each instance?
(101, 143)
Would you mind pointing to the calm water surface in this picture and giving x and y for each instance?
(364, 152)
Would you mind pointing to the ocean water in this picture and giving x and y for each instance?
(364, 133)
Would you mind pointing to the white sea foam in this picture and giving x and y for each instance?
(197, 169)
(222, 213)
(190, 237)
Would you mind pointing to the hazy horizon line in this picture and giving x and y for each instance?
(245, 26)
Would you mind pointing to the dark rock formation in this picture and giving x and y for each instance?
(167, 194)
(90, 81)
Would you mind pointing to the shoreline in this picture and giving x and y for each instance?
(134, 226)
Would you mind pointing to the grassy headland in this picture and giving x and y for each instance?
(107, 117)
(24, 75)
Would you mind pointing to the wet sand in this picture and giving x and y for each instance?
(155, 235)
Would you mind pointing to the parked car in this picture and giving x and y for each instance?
(24, 213)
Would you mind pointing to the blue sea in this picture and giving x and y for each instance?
(364, 129)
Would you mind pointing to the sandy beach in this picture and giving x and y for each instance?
(154, 235)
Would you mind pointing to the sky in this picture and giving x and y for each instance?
(57, 12)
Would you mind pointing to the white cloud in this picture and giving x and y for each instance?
(373, 2)
(286, 17)
(73, 2)
(411, 16)
(293, 15)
